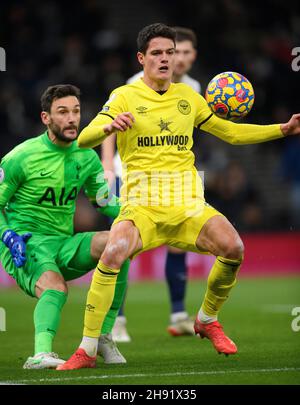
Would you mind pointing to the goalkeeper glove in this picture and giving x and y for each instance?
(17, 246)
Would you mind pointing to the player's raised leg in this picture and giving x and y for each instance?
(220, 238)
(124, 240)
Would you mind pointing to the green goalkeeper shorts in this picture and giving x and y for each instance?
(69, 256)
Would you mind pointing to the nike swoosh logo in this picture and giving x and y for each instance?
(45, 173)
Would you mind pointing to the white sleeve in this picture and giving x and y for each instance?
(135, 77)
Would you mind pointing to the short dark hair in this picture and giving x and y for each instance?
(58, 91)
(153, 31)
(185, 34)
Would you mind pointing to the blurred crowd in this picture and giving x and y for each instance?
(92, 44)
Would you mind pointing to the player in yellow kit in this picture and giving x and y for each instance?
(162, 194)
(175, 267)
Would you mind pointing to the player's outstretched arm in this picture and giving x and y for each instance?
(292, 127)
(103, 126)
(242, 134)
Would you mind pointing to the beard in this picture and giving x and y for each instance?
(59, 132)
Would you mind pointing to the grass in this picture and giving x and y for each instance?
(257, 317)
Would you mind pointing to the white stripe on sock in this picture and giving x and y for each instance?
(206, 318)
(90, 345)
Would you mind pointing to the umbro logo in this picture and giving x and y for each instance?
(141, 109)
(90, 307)
(126, 212)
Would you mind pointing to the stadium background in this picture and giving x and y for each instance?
(92, 44)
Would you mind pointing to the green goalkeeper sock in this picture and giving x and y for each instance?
(46, 319)
(120, 290)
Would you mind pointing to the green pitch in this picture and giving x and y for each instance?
(257, 317)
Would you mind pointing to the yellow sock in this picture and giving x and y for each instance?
(99, 299)
(221, 279)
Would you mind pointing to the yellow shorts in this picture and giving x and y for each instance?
(167, 226)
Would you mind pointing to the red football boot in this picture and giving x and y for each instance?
(78, 360)
(214, 332)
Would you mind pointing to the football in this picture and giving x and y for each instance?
(230, 95)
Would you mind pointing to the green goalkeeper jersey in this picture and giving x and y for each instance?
(40, 182)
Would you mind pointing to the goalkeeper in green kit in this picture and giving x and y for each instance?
(39, 183)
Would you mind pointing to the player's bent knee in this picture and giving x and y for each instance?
(234, 249)
(115, 253)
(51, 280)
(57, 286)
(113, 262)
(62, 288)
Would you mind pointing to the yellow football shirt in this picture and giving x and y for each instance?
(158, 164)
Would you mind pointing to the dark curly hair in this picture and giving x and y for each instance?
(58, 91)
(153, 31)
